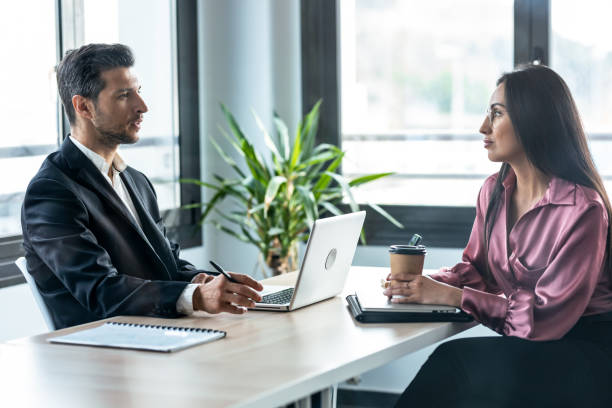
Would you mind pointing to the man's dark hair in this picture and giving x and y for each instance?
(79, 72)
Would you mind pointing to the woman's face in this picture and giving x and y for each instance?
(499, 139)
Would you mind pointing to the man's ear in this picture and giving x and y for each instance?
(83, 106)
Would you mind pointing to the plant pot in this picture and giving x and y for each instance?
(278, 264)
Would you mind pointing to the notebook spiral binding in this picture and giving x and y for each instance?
(153, 326)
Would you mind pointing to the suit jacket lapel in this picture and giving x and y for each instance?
(155, 236)
(96, 182)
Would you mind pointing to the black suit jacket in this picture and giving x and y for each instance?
(88, 256)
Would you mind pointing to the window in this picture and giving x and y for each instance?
(581, 52)
(28, 113)
(29, 92)
(414, 92)
(404, 85)
(162, 36)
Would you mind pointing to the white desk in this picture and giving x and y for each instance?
(266, 360)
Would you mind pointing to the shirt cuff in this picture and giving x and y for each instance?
(184, 304)
(486, 308)
(448, 276)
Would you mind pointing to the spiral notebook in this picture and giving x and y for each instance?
(140, 337)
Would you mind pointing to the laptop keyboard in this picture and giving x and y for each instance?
(278, 298)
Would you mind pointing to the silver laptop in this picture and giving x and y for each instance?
(373, 300)
(327, 260)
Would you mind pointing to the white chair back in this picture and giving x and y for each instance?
(21, 264)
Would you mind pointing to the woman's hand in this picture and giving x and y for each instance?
(422, 289)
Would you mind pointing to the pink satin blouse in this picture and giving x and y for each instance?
(548, 273)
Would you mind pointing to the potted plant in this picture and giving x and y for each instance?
(275, 204)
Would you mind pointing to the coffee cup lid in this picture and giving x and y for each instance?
(408, 249)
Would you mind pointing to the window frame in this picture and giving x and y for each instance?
(445, 227)
(181, 224)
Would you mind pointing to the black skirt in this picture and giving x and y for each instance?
(575, 371)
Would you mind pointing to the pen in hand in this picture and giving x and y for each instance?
(222, 271)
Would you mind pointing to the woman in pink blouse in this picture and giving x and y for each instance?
(537, 267)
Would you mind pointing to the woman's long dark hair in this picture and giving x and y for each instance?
(548, 127)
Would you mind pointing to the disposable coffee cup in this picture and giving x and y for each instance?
(407, 259)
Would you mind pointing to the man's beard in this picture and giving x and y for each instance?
(112, 135)
(115, 136)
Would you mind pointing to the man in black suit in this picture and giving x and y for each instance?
(94, 239)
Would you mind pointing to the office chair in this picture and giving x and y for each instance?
(21, 264)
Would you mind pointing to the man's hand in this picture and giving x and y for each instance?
(202, 278)
(422, 289)
(217, 294)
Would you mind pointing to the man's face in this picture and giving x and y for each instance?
(119, 108)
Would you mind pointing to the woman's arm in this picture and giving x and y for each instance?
(443, 287)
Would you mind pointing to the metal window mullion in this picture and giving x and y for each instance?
(70, 34)
(320, 64)
(187, 82)
(531, 31)
(540, 31)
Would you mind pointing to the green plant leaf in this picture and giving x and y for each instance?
(296, 150)
(247, 234)
(325, 146)
(267, 139)
(368, 178)
(332, 196)
(232, 188)
(230, 232)
(219, 195)
(362, 237)
(347, 189)
(190, 206)
(271, 191)
(226, 158)
(385, 214)
(256, 208)
(254, 187)
(254, 161)
(234, 127)
(231, 140)
(319, 158)
(235, 218)
(310, 128)
(330, 207)
(325, 178)
(283, 136)
(275, 231)
(309, 203)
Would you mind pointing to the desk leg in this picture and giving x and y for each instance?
(329, 397)
(303, 403)
(326, 398)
